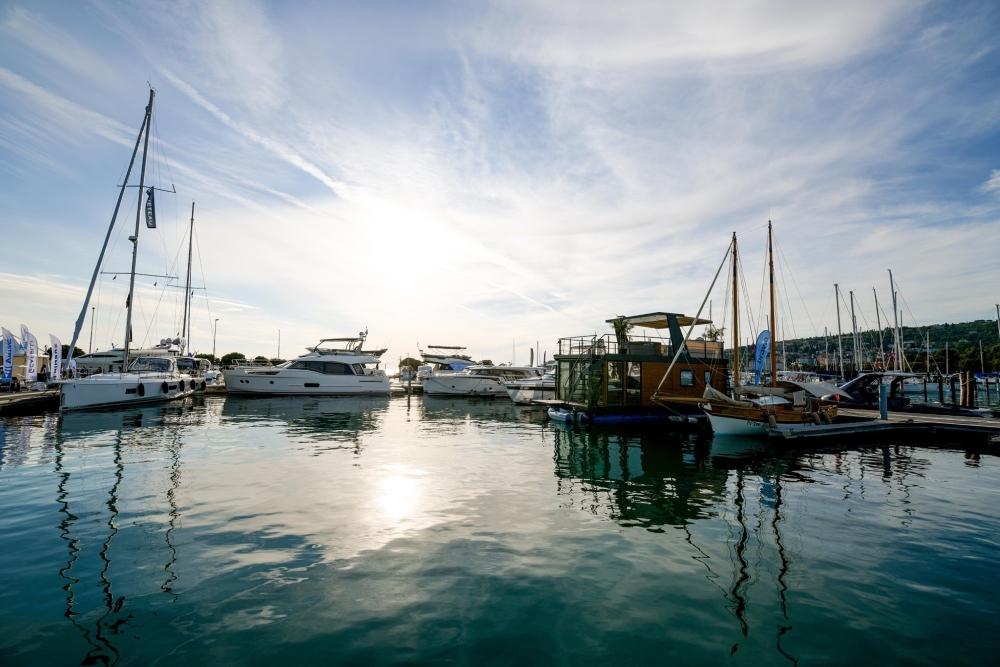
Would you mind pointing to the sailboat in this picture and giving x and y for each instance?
(145, 379)
(757, 409)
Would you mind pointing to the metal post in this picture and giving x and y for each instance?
(279, 343)
(883, 400)
(90, 348)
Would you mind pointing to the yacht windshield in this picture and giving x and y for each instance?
(150, 364)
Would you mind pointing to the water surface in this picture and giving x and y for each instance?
(330, 530)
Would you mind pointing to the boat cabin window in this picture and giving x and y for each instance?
(185, 365)
(687, 378)
(358, 369)
(150, 364)
(324, 367)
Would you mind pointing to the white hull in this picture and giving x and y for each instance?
(292, 381)
(448, 384)
(525, 395)
(736, 426)
(120, 389)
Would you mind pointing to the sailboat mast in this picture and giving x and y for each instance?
(878, 320)
(840, 335)
(104, 248)
(185, 326)
(736, 317)
(135, 238)
(854, 336)
(770, 272)
(895, 329)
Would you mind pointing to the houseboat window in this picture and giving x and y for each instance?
(708, 378)
(687, 378)
(563, 384)
(335, 368)
(615, 393)
(633, 384)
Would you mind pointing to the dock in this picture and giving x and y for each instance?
(29, 401)
(852, 422)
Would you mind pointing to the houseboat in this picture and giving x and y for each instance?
(613, 377)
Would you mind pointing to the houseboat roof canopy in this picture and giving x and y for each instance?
(661, 320)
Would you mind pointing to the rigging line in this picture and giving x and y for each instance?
(781, 253)
(208, 306)
(825, 308)
(784, 292)
(166, 285)
(739, 234)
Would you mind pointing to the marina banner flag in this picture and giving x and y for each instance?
(762, 349)
(8, 356)
(150, 210)
(55, 367)
(30, 345)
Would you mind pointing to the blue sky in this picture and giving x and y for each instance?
(494, 173)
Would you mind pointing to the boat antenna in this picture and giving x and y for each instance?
(135, 238)
(107, 238)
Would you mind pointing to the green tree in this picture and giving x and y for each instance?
(210, 357)
(277, 361)
(487, 362)
(411, 362)
(231, 357)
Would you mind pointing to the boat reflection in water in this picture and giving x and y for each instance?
(660, 480)
(339, 422)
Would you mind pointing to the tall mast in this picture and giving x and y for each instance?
(736, 318)
(770, 271)
(878, 320)
(895, 328)
(854, 336)
(104, 248)
(135, 239)
(840, 336)
(185, 326)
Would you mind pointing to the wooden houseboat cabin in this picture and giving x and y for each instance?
(618, 373)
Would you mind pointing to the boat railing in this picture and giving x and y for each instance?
(637, 345)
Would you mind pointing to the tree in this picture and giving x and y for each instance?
(409, 361)
(277, 361)
(260, 359)
(231, 357)
(487, 362)
(622, 327)
(211, 357)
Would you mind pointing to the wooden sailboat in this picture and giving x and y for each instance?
(753, 409)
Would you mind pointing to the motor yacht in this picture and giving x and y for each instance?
(148, 380)
(523, 392)
(346, 370)
(477, 380)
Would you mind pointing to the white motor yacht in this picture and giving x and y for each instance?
(444, 358)
(148, 380)
(477, 380)
(342, 371)
(523, 392)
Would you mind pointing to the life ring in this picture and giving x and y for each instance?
(142, 389)
(180, 385)
(165, 387)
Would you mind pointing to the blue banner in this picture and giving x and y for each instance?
(8, 356)
(763, 348)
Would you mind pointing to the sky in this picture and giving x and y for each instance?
(496, 174)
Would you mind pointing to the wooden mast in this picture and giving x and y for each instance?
(770, 270)
(736, 318)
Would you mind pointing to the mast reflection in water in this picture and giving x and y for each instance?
(272, 530)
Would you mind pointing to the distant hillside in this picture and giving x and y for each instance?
(961, 340)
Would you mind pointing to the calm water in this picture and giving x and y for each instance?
(298, 531)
